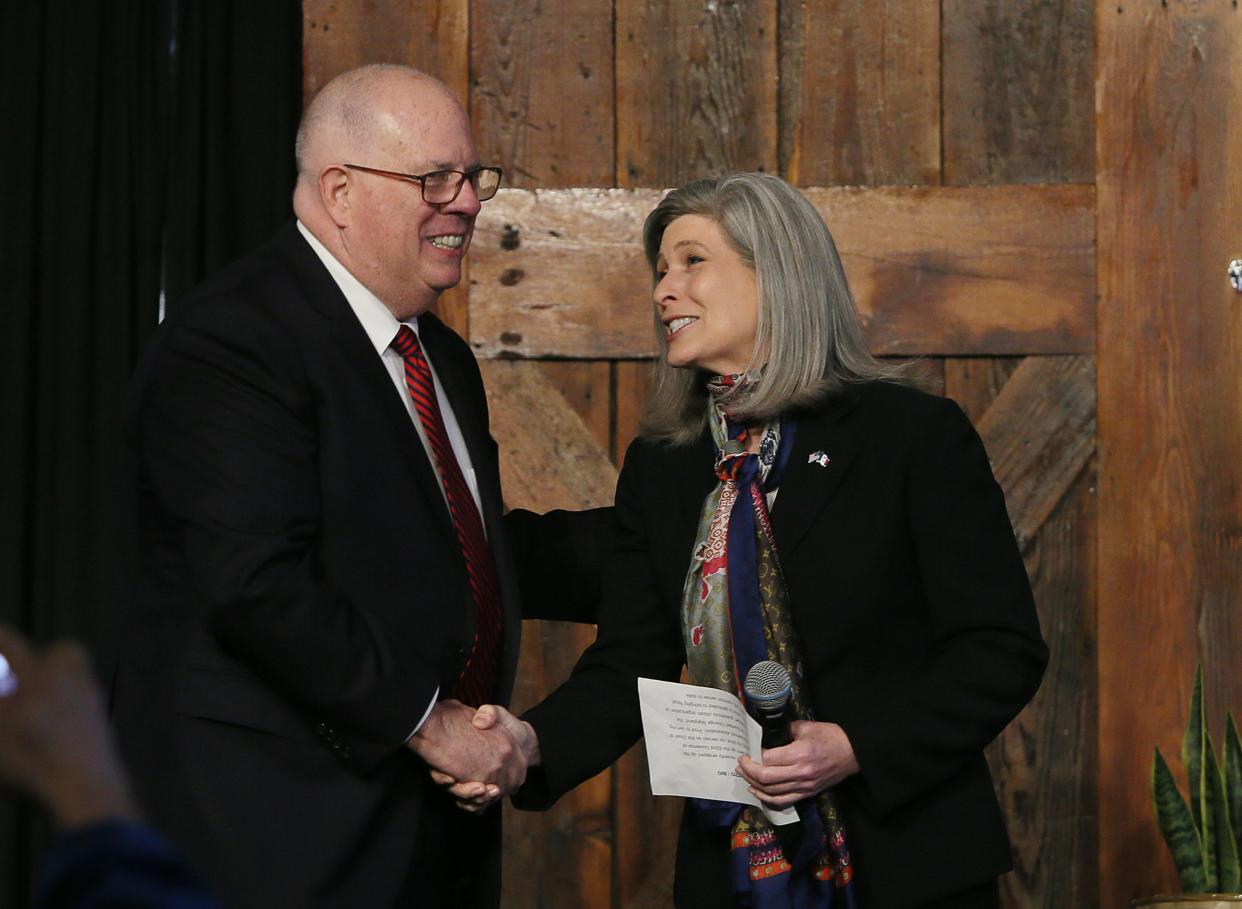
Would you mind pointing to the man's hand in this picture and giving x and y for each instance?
(456, 747)
(54, 737)
(819, 756)
(475, 795)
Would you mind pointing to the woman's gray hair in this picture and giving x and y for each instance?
(808, 324)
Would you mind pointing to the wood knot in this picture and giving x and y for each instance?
(510, 337)
(511, 276)
(510, 238)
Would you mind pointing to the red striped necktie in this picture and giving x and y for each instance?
(477, 683)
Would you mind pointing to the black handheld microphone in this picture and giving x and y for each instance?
(768, 688)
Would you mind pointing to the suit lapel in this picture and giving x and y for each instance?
(689, 481)
(345, 337)
(823, 453)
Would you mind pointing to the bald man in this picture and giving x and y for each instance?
(322, 583)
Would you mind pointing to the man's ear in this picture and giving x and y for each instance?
(334, 192)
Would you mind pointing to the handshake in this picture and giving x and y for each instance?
(479, 756)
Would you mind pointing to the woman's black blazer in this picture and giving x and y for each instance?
(916, 620)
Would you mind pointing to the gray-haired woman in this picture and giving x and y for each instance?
(791, 499)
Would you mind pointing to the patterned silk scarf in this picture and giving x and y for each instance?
(735, 613)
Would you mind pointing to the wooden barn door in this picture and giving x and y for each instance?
(950, 147)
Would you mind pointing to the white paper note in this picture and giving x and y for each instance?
(694, 736)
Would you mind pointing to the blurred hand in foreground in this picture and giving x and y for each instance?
(55, 743)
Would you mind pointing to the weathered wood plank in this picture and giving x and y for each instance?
(646, 829)
(551, 266)
(542, 92)
(860, 92)
(561, 857)
(586, 386)
(929, 374)
(985, 270)
(550, 462)
(1018, 91)
(453, 307)
(552, 455)
(338, 35)
(1043, 763)
(542, 103)
(965, 270)
(646, 826)
(974, 382)
(696, 89)
(1039, 432)
(1170, 382)
(630, 397)
(432, 35)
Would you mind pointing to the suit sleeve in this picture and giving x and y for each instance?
(560, 559)
(987, 656)
(226, 434)
(593, 718)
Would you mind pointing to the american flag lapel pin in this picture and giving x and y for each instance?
(818, 457)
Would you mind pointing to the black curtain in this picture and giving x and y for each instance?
(147, 143)
(238, 100)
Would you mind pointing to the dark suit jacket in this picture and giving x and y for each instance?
(915, 616)
(295, 594)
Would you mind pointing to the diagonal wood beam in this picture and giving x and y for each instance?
(1039, 432)
(975, 270)
(548, 457)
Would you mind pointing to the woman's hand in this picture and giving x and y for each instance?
(819, 756)
(474, 796)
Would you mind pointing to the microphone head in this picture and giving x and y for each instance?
(768, 686)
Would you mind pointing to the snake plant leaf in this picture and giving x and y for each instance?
(1233, 778)
(1228, 872)
(1192, 751)
(1207, 830)
(1178, 827)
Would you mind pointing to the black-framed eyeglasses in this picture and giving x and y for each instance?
(441, 187)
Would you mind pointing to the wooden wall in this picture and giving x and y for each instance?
(1170, 392)
(956, 145)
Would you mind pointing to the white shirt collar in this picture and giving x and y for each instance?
(377, 319)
